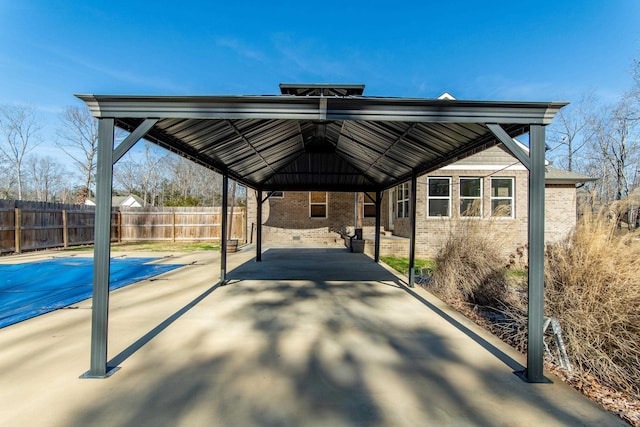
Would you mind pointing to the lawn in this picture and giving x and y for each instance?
(402, 264)
(156, 247)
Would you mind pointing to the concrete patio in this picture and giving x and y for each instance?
(308, 337)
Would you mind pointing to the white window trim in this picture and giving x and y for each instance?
(429, 197)
(512, 198)
(480, 198)
(273, 196)
(326, 205)
(400, 200)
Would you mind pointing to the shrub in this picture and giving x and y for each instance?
(470, 266)
(592, 286)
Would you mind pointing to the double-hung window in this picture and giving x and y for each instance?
(402, 196)
(439, 197)
(369, 205)
(502, 197)
(470, 197)
(317, 204)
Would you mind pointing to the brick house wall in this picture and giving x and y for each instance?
(432, 232)
(560, 210)
(287, 220)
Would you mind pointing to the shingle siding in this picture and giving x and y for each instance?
(495, 155)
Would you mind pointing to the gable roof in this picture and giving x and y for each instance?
(558, 176)
(342, 142)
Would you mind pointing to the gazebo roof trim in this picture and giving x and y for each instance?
(316, 142)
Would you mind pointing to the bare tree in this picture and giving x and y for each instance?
(142, 174)
(127, 176)
(181, 180)
(45, 177)
(65, 195)
(7, 180)
(635, 73)
(188, 182)
(151, 168)
(78, 138)
(572, 130)
(616, 146)
(20, 134)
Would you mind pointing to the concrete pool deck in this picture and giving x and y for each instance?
(308, 337)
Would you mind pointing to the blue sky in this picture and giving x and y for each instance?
(499, 50)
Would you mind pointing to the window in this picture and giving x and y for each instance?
(369, 205)
(276, 194)
(439, 197)
(471, 197)
(317, 204)
(502, 197)
(402, 194)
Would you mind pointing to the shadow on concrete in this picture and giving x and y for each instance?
(502, 356)
(139, 343)
(295, 349)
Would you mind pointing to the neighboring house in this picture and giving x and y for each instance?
(491, 185)
(130, 201)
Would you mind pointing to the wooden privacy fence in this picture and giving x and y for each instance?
(178, 224)
(26, 226)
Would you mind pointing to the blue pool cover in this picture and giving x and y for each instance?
(31, 289)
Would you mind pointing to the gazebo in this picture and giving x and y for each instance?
(322, 138)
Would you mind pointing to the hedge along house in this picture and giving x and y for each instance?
(491, 185)
(319, 138)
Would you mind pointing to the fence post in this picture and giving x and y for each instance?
(244, 225)
(65, 230)
(173, 226)
(18, 232)
(119, 230)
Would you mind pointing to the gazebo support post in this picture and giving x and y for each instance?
(223, 228)
(107, 157)
(259, 226)
(535, 345)
(102, 253)
(376, 250)
(412, 226)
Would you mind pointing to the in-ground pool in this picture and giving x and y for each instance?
(34, 288)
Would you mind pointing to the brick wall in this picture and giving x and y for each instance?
(432, 232)
(287, 219)
(560, 211)
(509, 233)
(398, 248)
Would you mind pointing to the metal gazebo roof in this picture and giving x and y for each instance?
(319, 137)
(307, 142)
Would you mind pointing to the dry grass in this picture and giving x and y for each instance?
(470, 266)
(592, 286)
